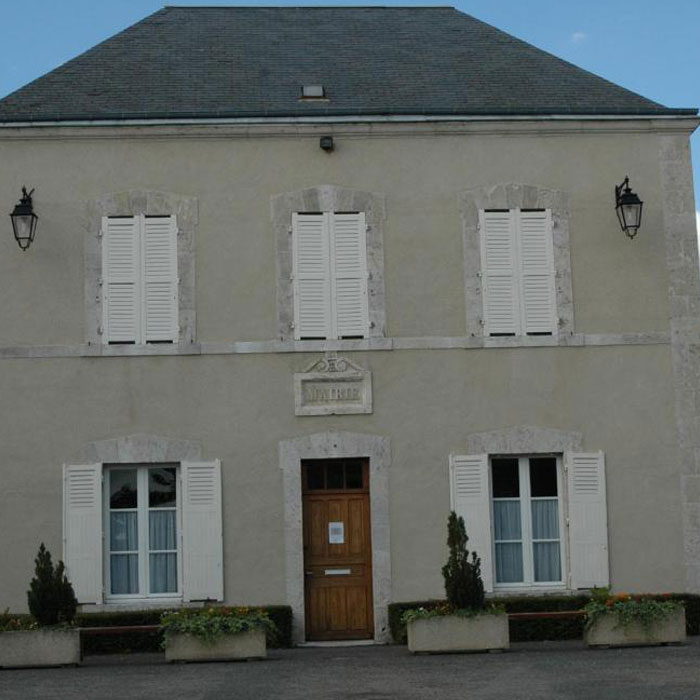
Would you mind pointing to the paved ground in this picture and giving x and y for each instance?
(534, 671)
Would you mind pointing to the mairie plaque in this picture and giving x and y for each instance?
(332, 385)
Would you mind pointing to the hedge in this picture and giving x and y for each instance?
(281, 615)
(541, 630)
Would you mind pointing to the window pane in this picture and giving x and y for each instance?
(509, 563)
(122, 488)
(547, 564)
(163, 571)
(124, 573)
(353, 475)
(334, 475)
(162, 488)
(123, 532)
(314, 476)
(545, 520)
(506, 483)
(506, 520)
(543, 476)
(162, 533)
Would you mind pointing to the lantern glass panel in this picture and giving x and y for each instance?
(631, 214)
(23, 226)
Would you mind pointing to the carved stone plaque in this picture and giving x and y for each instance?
(332, 385)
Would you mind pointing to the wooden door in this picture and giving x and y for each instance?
(337, 549)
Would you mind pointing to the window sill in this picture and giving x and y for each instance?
(532, 591)
(138, 604)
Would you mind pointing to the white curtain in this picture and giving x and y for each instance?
(124, 568)
(124, 573)
(545, 526)
(509, 555)
(163, 565)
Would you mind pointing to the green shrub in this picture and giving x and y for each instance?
(463, 584)
(210, 624)
(628, 609)
(543, 629)
(10, 622)
(50, 596)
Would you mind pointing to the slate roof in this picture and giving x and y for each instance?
(205, 62)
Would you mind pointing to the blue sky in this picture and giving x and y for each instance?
(647, 46)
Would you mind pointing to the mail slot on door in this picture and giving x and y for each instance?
(337, 572)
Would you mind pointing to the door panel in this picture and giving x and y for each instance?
(337, 550)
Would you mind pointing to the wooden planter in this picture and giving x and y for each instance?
(233, 647)
(452, 633)
(40, 647)
(608, 631)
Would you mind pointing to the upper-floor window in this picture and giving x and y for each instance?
(517, 269)
(140, 286)
(330, 275)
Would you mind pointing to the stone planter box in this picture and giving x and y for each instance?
(234, 647)
(40, 647)
(607, 631)
(451, 633)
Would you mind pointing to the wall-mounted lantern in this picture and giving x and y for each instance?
(326, 143)
(628, 208)
(24, 220)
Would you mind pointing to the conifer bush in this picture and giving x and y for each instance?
(463, 584)
(50, 596)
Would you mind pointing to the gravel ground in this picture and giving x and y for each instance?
(561, 670)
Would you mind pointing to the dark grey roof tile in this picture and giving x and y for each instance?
(204, 62)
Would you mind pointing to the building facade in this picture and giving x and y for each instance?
(239, 365)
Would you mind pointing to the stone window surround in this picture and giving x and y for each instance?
(331, 445)
(134, 203)
(523, 440)
(329, 198)
(516, 196)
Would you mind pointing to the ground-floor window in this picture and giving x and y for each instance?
(142, 531)
(527, 518)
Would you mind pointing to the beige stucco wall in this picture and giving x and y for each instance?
(619, 286)
(241, 406)
(620, 397)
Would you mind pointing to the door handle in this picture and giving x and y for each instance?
(309, 573)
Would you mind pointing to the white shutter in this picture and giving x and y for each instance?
(498, 270)
(160, 318)
(349, 274)
(588, 519)
(311, 260)
(202, 532)
(536, 271)
(82, 530)
(469, 497)
(120, 269)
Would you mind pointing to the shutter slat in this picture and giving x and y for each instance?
(469, 495)
(160, 278)
(588, 520)
(202, 531)
(82, 530)
(498, 262)
(311, 276)
(120, 256)
(537, 272)
(349, 274)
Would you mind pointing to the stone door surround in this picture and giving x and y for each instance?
(325, 446)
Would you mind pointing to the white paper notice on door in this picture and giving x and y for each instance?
(336, 533)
